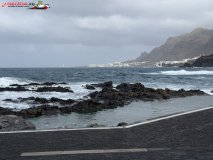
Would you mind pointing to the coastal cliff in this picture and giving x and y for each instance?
(203, 61)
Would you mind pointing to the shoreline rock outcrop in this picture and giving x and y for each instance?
(39, 89)
(95, 125)
(89, 87)
(18, 89)
(122, 124)
(108, 97)
(127, 93)
(203, 61)
(14, 123)
(38, 84)
(104, 85)
(53, 89)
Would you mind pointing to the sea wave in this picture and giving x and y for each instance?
(182, 72)
(208, 91)
(78, 87)
(6, 81)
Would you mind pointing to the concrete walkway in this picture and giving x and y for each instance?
(188, 136)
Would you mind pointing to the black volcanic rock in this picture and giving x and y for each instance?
(203, 61)
(61, 101)
(89, 87)
(38, 111)
(124, 93)
(8, 100)
(53, 89)
(103, 85)
(87, 105)
(30, 84)
(37, 100)
(47, 109)
(6, 111)
(37, 84)
(122, 124)
(14, 123)
(18, 88)
(125, 87)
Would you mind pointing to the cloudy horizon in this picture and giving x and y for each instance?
(79, 33)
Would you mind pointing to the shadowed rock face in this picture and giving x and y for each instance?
(89, 87)
(37, 84)
(108, 97)
(126, 93)
(47, 109)
(14, 123)
(203, 61)
(39, 89)
(53, 89)
(18, 88)
(103, 85)
(122, 124)
(37, 100)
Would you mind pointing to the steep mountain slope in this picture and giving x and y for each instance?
(143, 54)
(195, 43)
(207, 48)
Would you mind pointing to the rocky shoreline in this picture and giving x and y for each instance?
(108, 97)
(14, 123)
(203, 61)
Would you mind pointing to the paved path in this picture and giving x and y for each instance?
(184, 137)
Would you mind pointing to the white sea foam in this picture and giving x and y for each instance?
(208, 91)
(78, 89)
(169, 85)
(177, 87)
(183, 72)
(6, 81)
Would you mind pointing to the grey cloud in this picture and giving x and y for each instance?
(98, 31)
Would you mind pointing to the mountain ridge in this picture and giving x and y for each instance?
(143, 54)
(188, 45)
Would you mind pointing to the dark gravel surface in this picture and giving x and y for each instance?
(194, 132)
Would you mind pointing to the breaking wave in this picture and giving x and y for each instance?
(6, 81)
(184, 72)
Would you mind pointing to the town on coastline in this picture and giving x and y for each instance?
(158, 64)
(177, 63)
(119, 64)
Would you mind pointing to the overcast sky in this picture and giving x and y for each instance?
(82, 32)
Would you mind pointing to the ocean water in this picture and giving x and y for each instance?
(172, 78)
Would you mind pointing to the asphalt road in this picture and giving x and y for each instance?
(184, 137)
